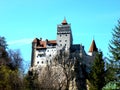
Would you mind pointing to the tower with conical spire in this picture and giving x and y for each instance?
(64, 35)
(93, 48)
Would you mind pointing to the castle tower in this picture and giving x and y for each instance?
(34, 44)
(93, 49)
(64, 35)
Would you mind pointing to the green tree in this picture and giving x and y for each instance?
(3, 43)
(10, 62)
(9, 79)
(96, 76)
(114, 48)
(4, 60)
(31, 81)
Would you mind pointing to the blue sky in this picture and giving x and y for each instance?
(23, 20)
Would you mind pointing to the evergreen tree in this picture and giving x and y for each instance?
(3, 43)
(114, 46)
(96, 76)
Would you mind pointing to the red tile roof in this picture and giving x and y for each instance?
(93, 47)
(64, 22)
(43, 44)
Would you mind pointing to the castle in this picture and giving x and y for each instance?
(43, 51)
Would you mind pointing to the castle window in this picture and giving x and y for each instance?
(50, 62)
(60, 35)
(40, 55)
(47, 50)
(66, 35)
(59, 40)
(65, 40)
(42, 62)
(38, 62)
(60, 44)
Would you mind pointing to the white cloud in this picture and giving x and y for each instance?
(20, 42)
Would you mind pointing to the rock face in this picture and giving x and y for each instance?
(63, 77)
(79, 80)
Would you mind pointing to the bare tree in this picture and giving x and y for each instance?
(15, 59)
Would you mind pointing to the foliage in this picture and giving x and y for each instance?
(109, 74)
(9, 80)
(97, 74)
(111, 86)
(31, 81)
(3, 43)
(114, 48)
(10, 62)
(114, 45)
(15, 59)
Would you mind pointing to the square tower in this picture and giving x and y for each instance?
(64, 36)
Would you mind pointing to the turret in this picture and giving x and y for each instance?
(93, 48)
(34, 44)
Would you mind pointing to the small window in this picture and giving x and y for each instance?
(50, 55)
(65, 40)
(59, 40)
(42, 62)
(47, 50)
(38, 62)
(50, 62)
(60, 35)
(40, 55)
(60, 44)
(66, 35)
(65, 44)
